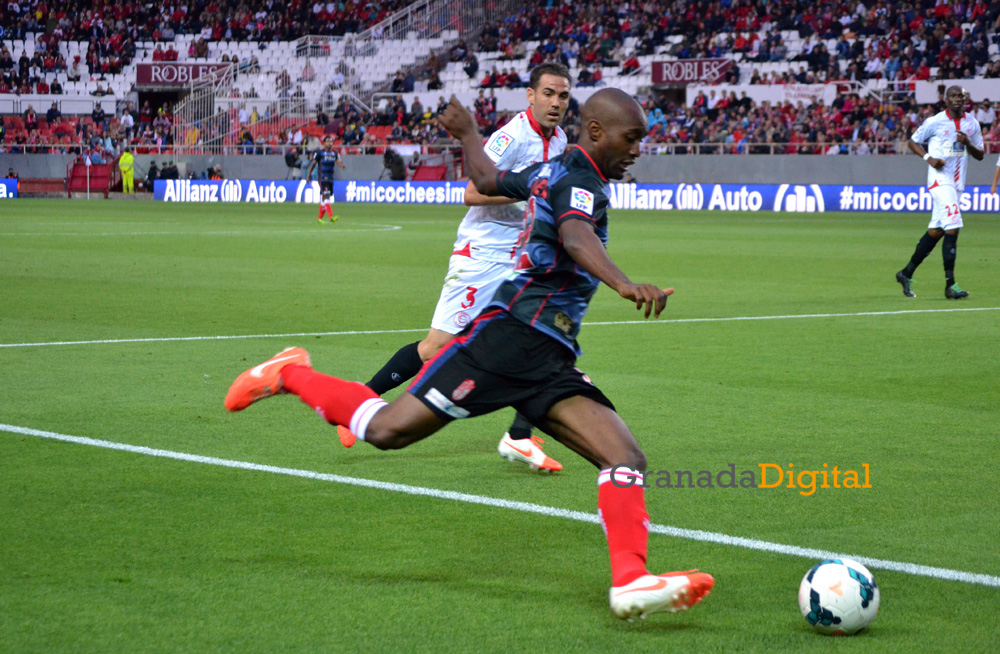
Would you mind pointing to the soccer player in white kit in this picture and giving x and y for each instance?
(951, 136)
(483, 254)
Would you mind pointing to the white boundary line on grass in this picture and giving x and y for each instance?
(372, 227)
(166, 339)
(527, 507)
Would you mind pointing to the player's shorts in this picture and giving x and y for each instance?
(499, 362)
(468, 287)
(945, 214)
(326, 188)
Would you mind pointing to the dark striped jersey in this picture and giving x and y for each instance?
(547, 289)
(327, 163)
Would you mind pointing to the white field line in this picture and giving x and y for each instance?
(268, 232)
(424, 329)
(527, 507)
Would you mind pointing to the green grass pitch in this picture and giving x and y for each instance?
(114, 551)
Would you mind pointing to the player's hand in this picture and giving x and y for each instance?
(936, 164)
(961, 138)
(457, 120)
(653, 297)
(993, 189)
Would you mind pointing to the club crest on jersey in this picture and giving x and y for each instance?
(499, 143)
(463, 389)
(582, 200)
(563, 322)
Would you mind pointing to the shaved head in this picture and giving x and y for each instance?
(613, 125)
(609, 106)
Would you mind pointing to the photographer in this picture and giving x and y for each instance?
(394, 163)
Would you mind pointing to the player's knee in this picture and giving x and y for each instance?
(636, 458)
(630, 456)
(386, 437)
(427, 348)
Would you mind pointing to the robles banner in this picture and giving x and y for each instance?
(795, 198)
(689, 71)
(172, 73)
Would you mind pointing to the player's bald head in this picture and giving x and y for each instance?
(954, 88)
(613, 127)
(610, 107)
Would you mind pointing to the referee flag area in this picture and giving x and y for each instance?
(138, 515)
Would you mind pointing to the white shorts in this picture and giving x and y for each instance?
(468, 287)
(945, 214)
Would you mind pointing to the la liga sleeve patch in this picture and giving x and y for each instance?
(499, 143)
(582, 200)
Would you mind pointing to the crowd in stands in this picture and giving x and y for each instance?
(849, 125)
(910, 40)
(893, 40)
(213, 20)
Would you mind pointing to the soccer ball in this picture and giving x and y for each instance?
(839, 597)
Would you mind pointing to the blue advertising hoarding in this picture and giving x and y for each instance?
(8, 188)
(798, 198)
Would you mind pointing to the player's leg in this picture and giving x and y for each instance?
(453, 312)
(924, 247)
(338, 401)
(944, 214)
(949, 252)
(407, 361)
(596, 432)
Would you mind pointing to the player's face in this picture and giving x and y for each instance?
(620, 145)
(328, 145)
(955, 101)
(548, 103)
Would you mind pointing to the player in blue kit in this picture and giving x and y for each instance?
(327, 159)
(521, 351)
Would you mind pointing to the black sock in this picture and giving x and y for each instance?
(949, 250)
(403, 365)
(520, 428)
(924, 247)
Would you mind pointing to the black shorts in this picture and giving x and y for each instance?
(496, 362)
(326, 187)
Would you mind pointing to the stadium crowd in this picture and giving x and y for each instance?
(213, 20)
(883, 39)
(915, 40)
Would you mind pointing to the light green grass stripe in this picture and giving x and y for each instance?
(527, 507)
(170, 339)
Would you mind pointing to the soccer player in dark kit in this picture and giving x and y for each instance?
(521, 351)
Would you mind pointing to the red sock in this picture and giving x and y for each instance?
(337, 401)
(626, 523)
(322, 210)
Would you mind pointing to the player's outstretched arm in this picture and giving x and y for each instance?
(580, 241)
(473, 198)
(460, 124)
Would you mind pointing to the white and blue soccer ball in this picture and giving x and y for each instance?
(839, 597)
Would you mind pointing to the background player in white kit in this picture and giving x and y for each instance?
(951, 136)
(483, 254)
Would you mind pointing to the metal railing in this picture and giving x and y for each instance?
(875, 148)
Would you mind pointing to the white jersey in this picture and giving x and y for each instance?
(490, 232)
(938, 132)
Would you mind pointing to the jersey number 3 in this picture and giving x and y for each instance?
(470, 297)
